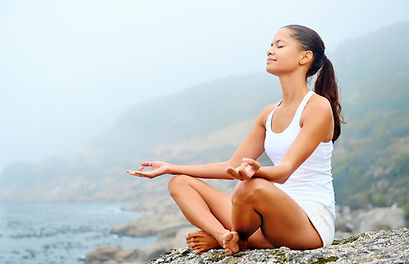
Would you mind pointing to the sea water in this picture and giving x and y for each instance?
(61, 232)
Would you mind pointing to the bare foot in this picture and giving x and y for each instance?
(231, 242)
(201, 241)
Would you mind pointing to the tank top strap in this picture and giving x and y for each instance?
(301, 107)
(268, 121)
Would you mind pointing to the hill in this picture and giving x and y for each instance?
(371, 161)
(206, 122)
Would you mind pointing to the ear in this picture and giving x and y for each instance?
(306, 57)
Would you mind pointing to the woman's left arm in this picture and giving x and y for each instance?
(317, 125)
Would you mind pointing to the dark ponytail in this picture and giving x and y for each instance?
(325, 84)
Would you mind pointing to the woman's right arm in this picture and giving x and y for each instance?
(209, 171)
(252, 148)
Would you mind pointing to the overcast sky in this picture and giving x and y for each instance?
(68, 68)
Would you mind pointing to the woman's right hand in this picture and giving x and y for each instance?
(245, 171)
(157, 168)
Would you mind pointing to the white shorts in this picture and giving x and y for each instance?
(321, 218)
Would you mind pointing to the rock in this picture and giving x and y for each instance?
(163, 219)
(360, 221)
(134, 229)
(371, 247)
(344, 219)
(179, 240)
(160, 218)
(381, 218)
(112, 255)
(170, 238)
(106, 253)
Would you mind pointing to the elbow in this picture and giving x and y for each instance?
(282, 180)
(285, 172)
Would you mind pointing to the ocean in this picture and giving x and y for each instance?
(61, 232)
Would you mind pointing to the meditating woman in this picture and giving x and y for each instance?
(291, 203)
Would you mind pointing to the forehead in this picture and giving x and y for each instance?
(284, 34)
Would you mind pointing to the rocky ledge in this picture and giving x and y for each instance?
(371, 247)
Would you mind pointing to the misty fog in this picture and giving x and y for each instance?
(70, 68)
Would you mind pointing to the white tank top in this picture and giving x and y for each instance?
(313, 179)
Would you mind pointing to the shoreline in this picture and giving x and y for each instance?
(36, 232)
(169, 226)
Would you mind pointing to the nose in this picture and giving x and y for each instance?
(270, 51)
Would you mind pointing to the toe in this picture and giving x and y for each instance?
(228, 236)
(196, 248)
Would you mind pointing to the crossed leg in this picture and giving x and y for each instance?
(257, 203)
(210, 210)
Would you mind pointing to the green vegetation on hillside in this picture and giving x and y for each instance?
(371, 158)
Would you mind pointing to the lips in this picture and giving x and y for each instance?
(270, 60)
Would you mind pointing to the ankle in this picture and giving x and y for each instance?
(220, 236)
(243, 244)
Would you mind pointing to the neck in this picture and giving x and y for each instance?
(294, 87)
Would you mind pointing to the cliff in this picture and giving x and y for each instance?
(370, 247)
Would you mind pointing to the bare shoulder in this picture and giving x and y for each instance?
(267, 109)
(262, 117)
(317, 116)
(318, 111)
(318, 106)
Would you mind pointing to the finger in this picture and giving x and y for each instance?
(243, 171)
(138, 173)
(131, 172)
(228, 169)
(255, 164)
(232, 172)
(249, 170)
(147, 163)
(238, 175)
(243, 175)
(141, 168)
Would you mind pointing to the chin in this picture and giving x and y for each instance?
(272, 71)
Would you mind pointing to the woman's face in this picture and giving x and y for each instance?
(284, 54)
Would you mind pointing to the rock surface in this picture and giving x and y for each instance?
(111, 255)
(163, 219)
(371, 247)
(169, 226)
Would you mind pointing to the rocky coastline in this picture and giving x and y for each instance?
(385, 246)
(162, 218)
(371, 247)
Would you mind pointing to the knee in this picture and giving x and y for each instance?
(250, 190)
(177, 183)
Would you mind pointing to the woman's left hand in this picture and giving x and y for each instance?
(245, 171)
(157, 168)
